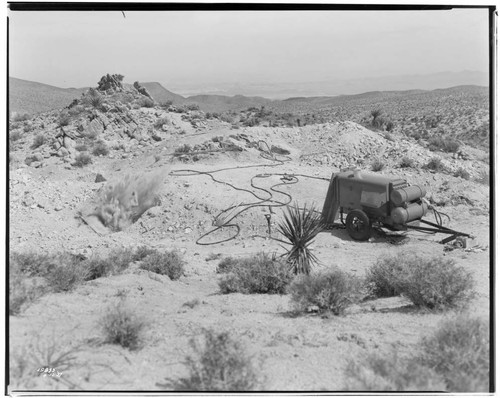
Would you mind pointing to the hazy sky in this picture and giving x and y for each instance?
(74, 49)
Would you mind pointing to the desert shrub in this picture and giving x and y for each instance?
(192, 107)
(123, 202)
(15, 135)
(64, 118)
(435, 164)
(183, 149)
(331, 291)
(22, 291)
(82, 159)
(407, 162)
(114, 263)
(445, 144)
(218, 363)
(145, 103)
(142, 252)
(38, 141)
(459, 350)
(160, 122)
(432, 282)
(30, 263)
(21, 117)
(226, 264)
(378, 165)
(81, 148)
(165, 104)
(261, 273)
(28, 127)
(66, 273)
(300, 227)
(484, 178)
(120, 325)
(167, 263)
(100, 148)
(393, 373)
(462, 173)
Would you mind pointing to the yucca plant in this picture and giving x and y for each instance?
(300, 227)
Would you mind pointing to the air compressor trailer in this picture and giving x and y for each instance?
(371, 199)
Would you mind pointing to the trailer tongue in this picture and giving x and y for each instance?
(368, 200)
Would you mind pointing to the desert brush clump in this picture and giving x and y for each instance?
(453, 358)
(377, 165)
(390, 373)
(22, 291)
(66, 273)
(122, 203)
(100, 148)
(459, 350)
(445, 144)
(94, 99)
(300, 227)
(435, 164)
(168, 263)
(261, 273)
(183, 150)
(120, 325)
(462, 173)
(218, 363)
(115, 262)
(406, 162)
(38, 141)
(64, 118)
(331, 291)
(82, 159)
(431, 282)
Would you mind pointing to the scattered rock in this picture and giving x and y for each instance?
(99, 178)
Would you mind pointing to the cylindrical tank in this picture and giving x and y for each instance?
(413, 212)
(400, 196)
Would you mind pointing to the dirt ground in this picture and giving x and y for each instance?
(296, 353)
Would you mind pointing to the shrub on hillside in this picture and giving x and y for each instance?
(454, 358)
(432, 282)
(445, 144)
(261, 273)
(94, 99)
(218, 363)
(167, 263)
(145, 103)
(462, 173)
(226, 264)
(183, 150)
(38, 141)
(142, 252)
(379, 373)
(459, 350)
(114, 263)
(66, 273)
(30, 263)
(378, 165)
(435, 164)
(100, 148)
(121, 326)
(484, 178)
(20, 117)
(64, 118)
(161, 122)
(81, 148)
(82, 159)
(331, 291)
(22, 291)
(406, 162)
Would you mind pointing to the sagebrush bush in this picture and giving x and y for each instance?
(142, 252)
(484, 178)
(432, 282)
(162, 121)
(30, 263)
(167, 263)
(377, 165)
(407, 162)
(94, 99)
(331, 291)
(226, 264)
(462, 173)
(22, 291)
(38, 141)
(260, 273)
(183, 149)
(81, 148)
(459, 350)
(120, 325)
(445, 144)
(82, 159)
(122, 203)
(453, 358)
(100, 148)
(115, 262)
(21, 117)
(436, 164)
(392, 373)
(67, 273)
(64, 118)
(218, 363)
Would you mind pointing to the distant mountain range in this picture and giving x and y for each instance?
(32, 97)
(336, 87)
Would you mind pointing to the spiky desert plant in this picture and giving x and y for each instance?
(300, 227)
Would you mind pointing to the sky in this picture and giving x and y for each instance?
(74, 49)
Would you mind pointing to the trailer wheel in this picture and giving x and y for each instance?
(358, 225)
